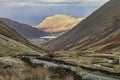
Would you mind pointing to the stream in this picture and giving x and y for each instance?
(47, 65)
(99, 77)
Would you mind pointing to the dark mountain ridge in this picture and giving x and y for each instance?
(100, 29)
(7, 31)
(24, 29)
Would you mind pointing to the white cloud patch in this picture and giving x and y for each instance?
(50, 2)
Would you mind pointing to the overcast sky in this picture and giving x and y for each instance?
(34, 11)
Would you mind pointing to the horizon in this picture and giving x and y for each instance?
(34, 12)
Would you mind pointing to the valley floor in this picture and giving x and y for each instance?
(97, 63)
(63, 66)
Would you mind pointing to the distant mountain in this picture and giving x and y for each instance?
(59, 23)
(12, 43)
(24, 29)
(99, 32)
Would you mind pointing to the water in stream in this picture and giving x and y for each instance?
(57, 76)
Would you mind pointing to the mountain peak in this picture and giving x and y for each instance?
(59, 23)
(100, 31)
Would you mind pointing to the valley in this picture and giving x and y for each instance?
(63, 47)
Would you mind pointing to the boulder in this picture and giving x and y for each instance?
(8, 64)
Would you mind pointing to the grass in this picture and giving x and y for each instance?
(113, 56)
(88, 58)
(12, 34)
(22, 71)
(29, 74)
(10, 47)
(84, 37)
(13, 43)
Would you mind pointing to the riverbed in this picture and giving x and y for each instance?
(85, 75)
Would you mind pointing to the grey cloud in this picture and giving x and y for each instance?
(50, 2)
(33, 11)
(35, 14)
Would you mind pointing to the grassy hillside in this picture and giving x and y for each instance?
(103, 26)
(24, 29)
(12, 34)
(9, 46)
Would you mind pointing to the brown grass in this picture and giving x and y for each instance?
(19, 74)
(29, 74)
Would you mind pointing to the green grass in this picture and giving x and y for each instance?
(9, 46)
(12, 34)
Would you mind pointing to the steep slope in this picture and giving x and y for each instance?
(59, 23)
(12, 34)
(11, 47)
(102, 28)
(24, 29)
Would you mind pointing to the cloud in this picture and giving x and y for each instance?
(51, 2)
(34, 11)
(33, 15)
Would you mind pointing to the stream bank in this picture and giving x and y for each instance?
(63, 68)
